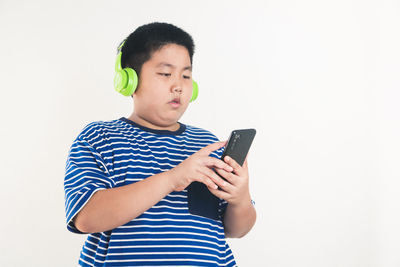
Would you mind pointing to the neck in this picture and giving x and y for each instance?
(146, 123)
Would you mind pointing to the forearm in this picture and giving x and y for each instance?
(239, 219)
(110, 208)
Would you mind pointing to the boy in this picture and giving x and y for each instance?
(126, 180)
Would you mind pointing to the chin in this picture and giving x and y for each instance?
(173, 117)
(165, 122)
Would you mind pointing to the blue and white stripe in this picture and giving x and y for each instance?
(119, 152)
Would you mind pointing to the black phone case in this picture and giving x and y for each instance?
(239, 145)
(200, 200)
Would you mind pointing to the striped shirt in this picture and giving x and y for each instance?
(108, 154)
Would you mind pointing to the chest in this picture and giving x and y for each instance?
(139, 157)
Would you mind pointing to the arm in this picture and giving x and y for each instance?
(239, 219)
(110, 208)
(240, 214)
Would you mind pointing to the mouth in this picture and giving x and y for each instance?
(176, 102)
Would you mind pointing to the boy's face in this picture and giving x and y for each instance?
(165, 87)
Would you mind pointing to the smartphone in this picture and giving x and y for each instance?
(200, 200)
(238, 145)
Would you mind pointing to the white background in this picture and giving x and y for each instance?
(319, 80)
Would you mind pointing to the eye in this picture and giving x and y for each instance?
(186, 77)
(164, 74)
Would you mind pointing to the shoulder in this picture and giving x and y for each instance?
(204, 137)
(100, 129)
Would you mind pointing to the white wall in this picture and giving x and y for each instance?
(319, 80)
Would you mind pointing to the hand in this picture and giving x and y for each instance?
(199, 167)
(236, 190)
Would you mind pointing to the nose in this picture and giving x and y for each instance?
(177, 89)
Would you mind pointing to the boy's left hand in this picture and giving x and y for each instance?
(235, 190)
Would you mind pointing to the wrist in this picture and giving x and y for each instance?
(172, 175)
(244, 202)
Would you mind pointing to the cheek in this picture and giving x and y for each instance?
(189, 92)
(152, 93)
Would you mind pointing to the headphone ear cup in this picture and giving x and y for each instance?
(195, 91)
(125, 81)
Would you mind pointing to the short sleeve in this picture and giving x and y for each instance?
(85, 174)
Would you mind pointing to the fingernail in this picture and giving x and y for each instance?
(216, 187)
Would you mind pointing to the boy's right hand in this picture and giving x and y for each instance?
(199, 167)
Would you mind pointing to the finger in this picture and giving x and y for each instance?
(236, 167)
(229, 185)
(214, 162)
(245, 164)
(228, 176)
(208, 182)
(213, 176)
(210, 148)
(220, 194)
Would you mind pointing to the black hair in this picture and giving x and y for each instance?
(147, 39)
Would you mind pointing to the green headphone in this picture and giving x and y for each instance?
(126, 79)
